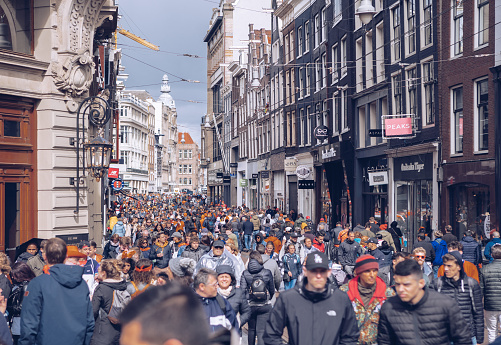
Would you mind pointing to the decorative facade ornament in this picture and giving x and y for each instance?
(74, 76)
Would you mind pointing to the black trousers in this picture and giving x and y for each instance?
(257, 322)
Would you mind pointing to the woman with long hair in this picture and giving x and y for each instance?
(128, 266)
(5, 269)
(109, 274)
(142, 277)
(21, 274)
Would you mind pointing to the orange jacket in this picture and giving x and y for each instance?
(469, 268)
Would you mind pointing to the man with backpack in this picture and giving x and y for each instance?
(465, 291)
(259, 284)
(440, 247)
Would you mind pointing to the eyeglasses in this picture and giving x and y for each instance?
(213, 284)
(419, 256)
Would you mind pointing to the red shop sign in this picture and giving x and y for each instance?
(397, 127)
(113, 172)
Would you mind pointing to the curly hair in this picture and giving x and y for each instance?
(144, 277)
(4, 264)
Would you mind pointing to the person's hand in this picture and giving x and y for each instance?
(289, 273)
(160, 255)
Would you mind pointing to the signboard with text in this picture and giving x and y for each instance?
(113, 172)
(306, 184)
(398, 126)
(377, 178)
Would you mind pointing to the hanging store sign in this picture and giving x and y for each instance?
(265, 174)
(303, 172)
(378, 178)
(113, 172)
(117, 185)
(254, 176)
(306, 184)
(321, 132)
(398, 127)
(330, 152)
(227, 179)
(244, 182)
(418, 167)
(219, 175)
(233, 165)
(290, 164)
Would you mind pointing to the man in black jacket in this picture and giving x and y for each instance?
(465, 291)
(314, 312)
(418, 315)
(491, 288)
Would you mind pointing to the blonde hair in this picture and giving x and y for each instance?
(112, 268)
(419, 250)
(4, 264)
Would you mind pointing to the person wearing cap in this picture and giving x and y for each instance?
(293, 239)
(420, 315)
(324, 313)
(215, 257)
(367, 293)
(176, 244)
(348, 252)
(56, 306)
(465, 291)
(181, 270)
(235, 296)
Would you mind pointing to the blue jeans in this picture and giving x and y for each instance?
(248, 240)
(435, 271)
(290, 285)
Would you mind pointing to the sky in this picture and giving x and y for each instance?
(176, 26)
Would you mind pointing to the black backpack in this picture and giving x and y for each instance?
(15, 300)
(257, 290)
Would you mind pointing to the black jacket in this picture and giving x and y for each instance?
(160, 262)
(468, 296)
(191, 253)
(255, 268)
(247, 227)
(434, 320)
(449, 237)
(110, 250)
(105, 332)
(471, 250)
(349, 252)
(238, 301)
(312, 318)
(490, 283)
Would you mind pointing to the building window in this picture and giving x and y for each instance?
(286, 47)
(457, 14)
(397, 94)
(300, 41)
(344, 70)
(482, 115)
(189, 169)
(457, 120)
(428, 21)
(308, 79)
(180, 154)
(335, 64)
(291, 45)
(412, 91)
(323, 71)
(185, 181)
(302, 126)
(307, 36)
(336, 109)
(301, 82)
(396, 32)
(411, 25)
(483, 22)
(428, 86)
(180, 169)
(324, 26)
(190, 154)
(344, 109)
(337, 11)
(318, 34)
(308, 126)
(318, 75)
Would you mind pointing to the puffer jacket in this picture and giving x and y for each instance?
(490, 283)
(349, 252)
(194, 254)
(254, 268)
(488, 247)
(466, 292)
(210, 261)
(272, 265)
(255, 221)
(471, 250)
(119, 229)
(157, 248)
(440, 247)
(292, 263)
(434, 320)
(105, 332)
(367, 316)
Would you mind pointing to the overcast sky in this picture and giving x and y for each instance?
(177, 26)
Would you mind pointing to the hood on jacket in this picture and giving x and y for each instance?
(24, 256)
(120, 222)
(468, 239)
(222, 269)
(66, 275)
(254, 267)
(121, 285)
(314, 296)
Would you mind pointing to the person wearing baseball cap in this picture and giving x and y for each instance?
(314, 301)
(367, 293)
(215, 257)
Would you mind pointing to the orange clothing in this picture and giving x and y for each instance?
(469, 268)
(276, 242)
(98, 258)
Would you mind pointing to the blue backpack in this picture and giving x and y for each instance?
(440, 247)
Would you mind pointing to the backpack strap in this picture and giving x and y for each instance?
(221, 302)
(439, 284)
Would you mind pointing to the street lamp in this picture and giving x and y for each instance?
(366, 11)
(98, 156)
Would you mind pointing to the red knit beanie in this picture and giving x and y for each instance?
(365, 263)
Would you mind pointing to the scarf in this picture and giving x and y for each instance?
(225, 293)
(366, 293)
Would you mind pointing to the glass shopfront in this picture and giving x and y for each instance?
(469, 203)
(413, 178)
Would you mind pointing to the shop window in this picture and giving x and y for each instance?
(468, 206)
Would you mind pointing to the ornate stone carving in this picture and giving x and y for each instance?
(74, 76)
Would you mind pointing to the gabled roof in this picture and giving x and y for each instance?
(187, 138)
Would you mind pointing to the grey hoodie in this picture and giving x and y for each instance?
(274, 269)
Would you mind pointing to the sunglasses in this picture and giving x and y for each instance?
(419, 256)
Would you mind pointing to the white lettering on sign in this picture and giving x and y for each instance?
(403, 126)
(329, 153)
(412, 167)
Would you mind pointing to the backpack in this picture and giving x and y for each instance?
(343, 235)
(15, 300)
(257, 289)
(120, 299)
(470, 281)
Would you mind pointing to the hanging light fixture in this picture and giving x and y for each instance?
(366, 11)
(98, 156)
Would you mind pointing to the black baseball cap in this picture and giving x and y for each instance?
(218, 244)
(372, 240)
(294, 234)
(316, 260)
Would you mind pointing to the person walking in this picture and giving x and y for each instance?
(349, 251)
(292, 267)
(236, 296)
(491, 290)
(258, 282)
(21, 275)
(472, 250)
(440, 248)
(488, 247)
(319, 311)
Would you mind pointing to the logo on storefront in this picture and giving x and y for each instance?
(412, 167)
(378, 178)
(243, 182)
(330, 153)
(321, 132)
(290, 164)
(303, 172)
(113, 172)
(117, 184)
(398, 126)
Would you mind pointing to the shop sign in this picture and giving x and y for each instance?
(244, 182)
(414, 167)
(378, 178)
(219, 175)
(330, 152)
(233, 165)
(321, 132)
(306, 184)
(397, 127)
(266, 186)
(290, 164)
(303, 172)
(227, 179)
(254, 176)
(375, 133)
(487, 225)
(265, 174)
(117, 184)
(113, 172)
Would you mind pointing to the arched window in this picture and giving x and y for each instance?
(16, 25)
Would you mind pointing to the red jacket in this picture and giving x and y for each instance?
(319, 246)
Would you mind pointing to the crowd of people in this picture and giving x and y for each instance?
(177, 271)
